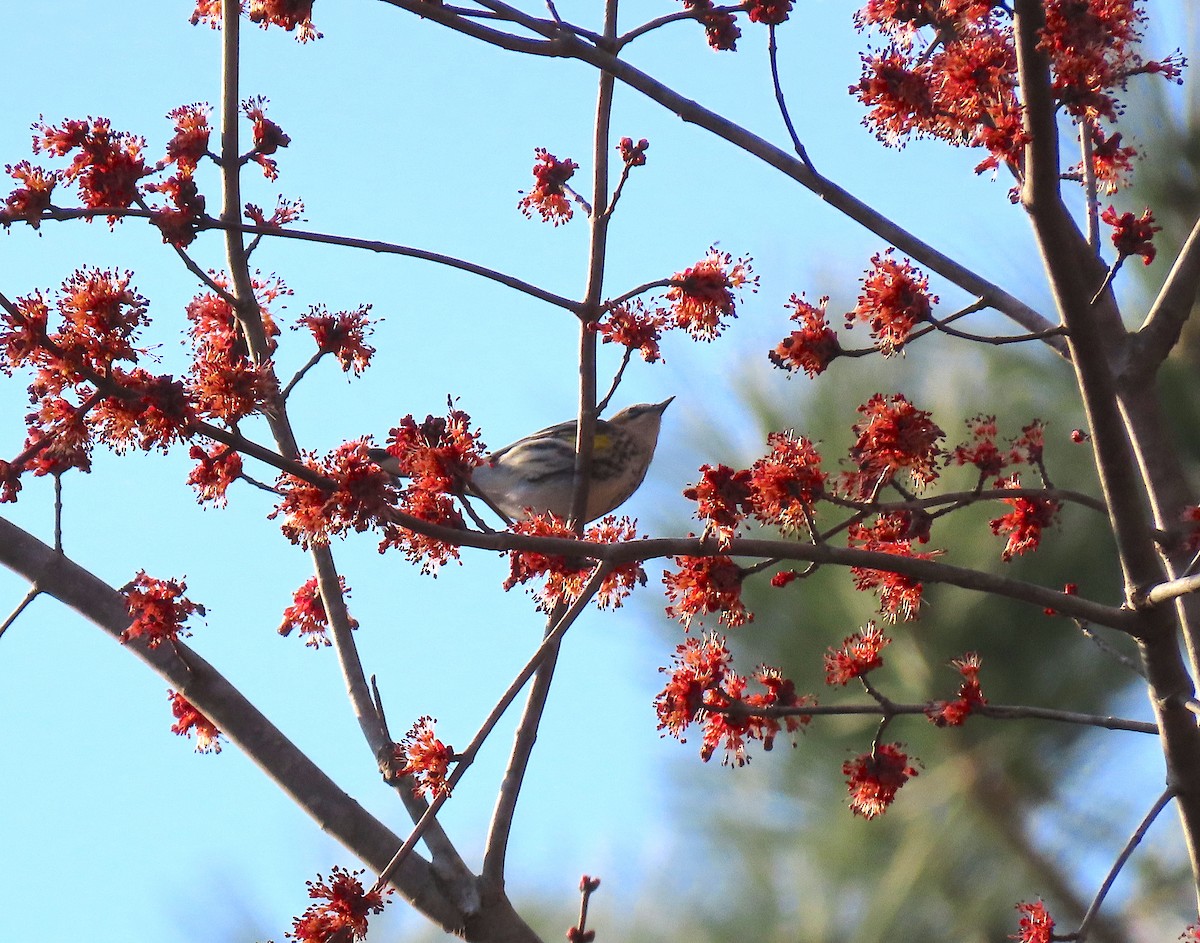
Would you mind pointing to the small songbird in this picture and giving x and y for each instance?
(536, 473)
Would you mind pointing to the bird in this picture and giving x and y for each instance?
(535, 474)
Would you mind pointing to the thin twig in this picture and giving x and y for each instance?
(772, 52)
(30, 596)
(464, 760)
(1089, 184)
(312, 362)
(603, 404)
(58, 513)
(1134, 840)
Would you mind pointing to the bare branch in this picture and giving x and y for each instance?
(1160, 331)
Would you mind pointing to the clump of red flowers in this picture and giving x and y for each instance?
(158, 609)
(106, 165)
(1036, 926)
(899, 594)
(970, 695)
(895, 298)
(307, 614)
(551, 196)
(1025, 522)
(634, 327)
(893, 437)
(874, 779)
(189, 721)
(565, 577)
(858, 655)
(424, 757)
(703, 688)
(1132, 235)
(705, 585)
(814, 346)
(30, 200)
(342, 334)
(703, 294)
(343, 914)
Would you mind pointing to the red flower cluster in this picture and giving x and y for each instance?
(970, 695)
(895, 298)
(874, 779)
(312, 513)
(158, 608)
(634, 155)
(343, 334)
(1132, 235)
(564, 576)
(705, 585)
(286, 211)
(981, 451)
(858, 655)
(344, 915)
(550, 192)
(895, 436)
(961, 85)
(632, 326)
(30, 200)
(899, 595)
(779, 489)
(191, 136)
(292, 15)
(703, 294)
(720, 26)
(814, 346)
(268, 136)
(188, 720)
(424, 757)
(771, 12)
(218, 469)
(437, 454)
(1025, 523)
(1037, 926)
(703, 688)
(107, 164)
(307, 613)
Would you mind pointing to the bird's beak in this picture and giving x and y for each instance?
(664, 404)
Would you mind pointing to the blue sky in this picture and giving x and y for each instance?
(405, 133)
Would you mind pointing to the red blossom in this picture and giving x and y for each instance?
(286, 211)
(565, 577)
(108, 164)
(180, 221)
(1132, 235)
(312, 513)
(634, 155)
(970, 695)
(858, 655)
(424, 757)
(720, 26)
(1036, 926)
(30, 200)
(268, 136)
(814, 346)
(192, 132)
(874, 778)
(895, 298)
(307, 614)
(1025, 523)
(705, 585)
(342, 334)
(344, 915)
(188, 721)
(158, 610)
(981, 451)
(895, 436)
(703, 294)
(437, 454)
(771, 12)
(292, 15)
(550, 194)
(899, 595)
(783, 578)
(722, 497)
(703, 688)
(635, 328)
(218, 469)
(1071, 589)
(787, 482)
(416, 547)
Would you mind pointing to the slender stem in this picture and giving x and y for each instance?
(1134, 840)
(1089, 184)
(30, 596)
(467, 757)
(773, 55)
